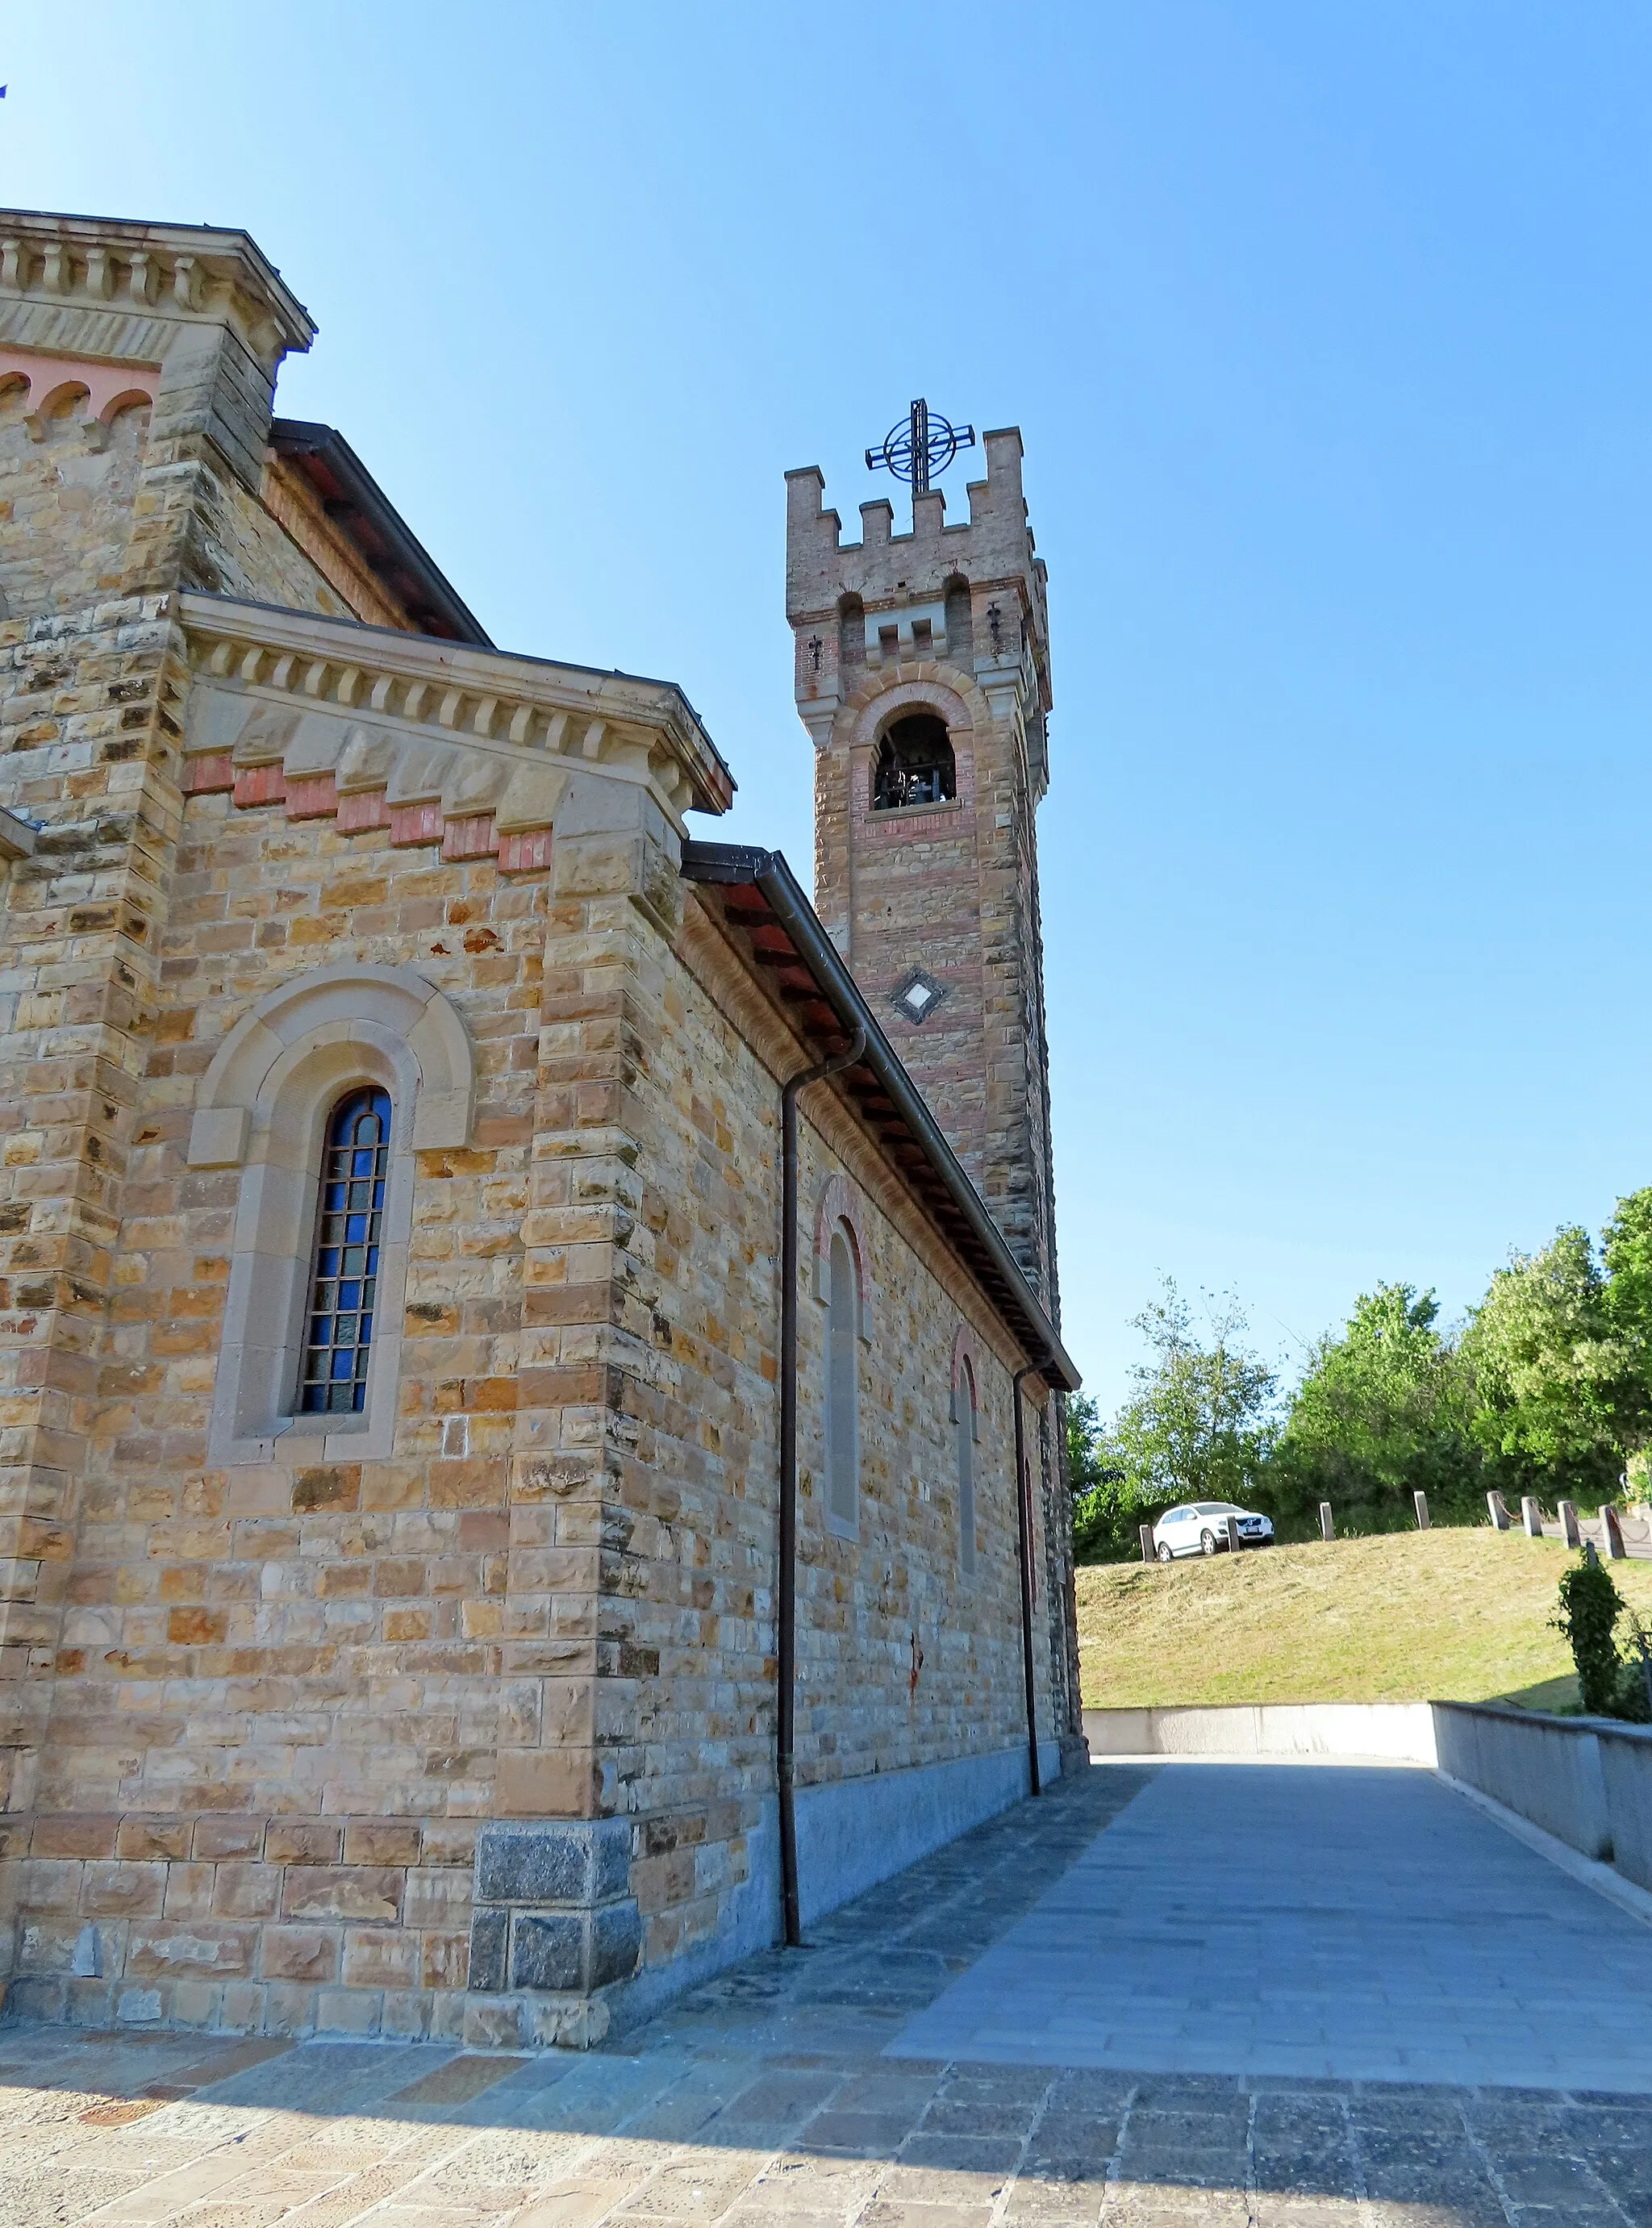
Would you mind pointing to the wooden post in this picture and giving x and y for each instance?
(1499, 1511)
(1419, 1501)
(1613, 1531)
(1567, 1513)
(1233, 1535)
(1145, 1534)
(1327, 1522)
(1530, 1517)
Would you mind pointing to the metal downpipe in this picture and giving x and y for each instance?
(1023, 1511)
(786, 1605)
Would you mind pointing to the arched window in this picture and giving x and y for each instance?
(345, 1270)
(965, 1428)
(842, 1384)
(915, 764)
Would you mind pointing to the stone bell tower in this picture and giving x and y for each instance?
(923, 678)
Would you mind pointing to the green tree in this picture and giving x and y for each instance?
(1083, 1452)
(1198, 1424)
(1384, 1407)
(1552, 1375)
(1626, 1255)
(1103, 1513)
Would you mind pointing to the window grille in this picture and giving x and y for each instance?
(343, 1280)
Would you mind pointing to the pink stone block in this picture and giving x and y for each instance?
(525, 854)
(473, 837)
(360, 809)
(264, 784)
(416, 823)
(209, 776)
(313, 797)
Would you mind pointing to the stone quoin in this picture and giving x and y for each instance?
(390, 1199)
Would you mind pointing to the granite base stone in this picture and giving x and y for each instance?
(561, 1861)
(552, 1911)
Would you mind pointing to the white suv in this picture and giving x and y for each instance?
(1199, 1528)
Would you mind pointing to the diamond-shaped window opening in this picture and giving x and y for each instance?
(916, 995)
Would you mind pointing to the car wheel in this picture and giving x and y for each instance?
(1165, 1552)
(1207, 1543)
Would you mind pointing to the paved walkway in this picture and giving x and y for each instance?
(785, 2091)
(1359, 1923)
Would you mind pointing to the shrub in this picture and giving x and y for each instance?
(1590, 1607)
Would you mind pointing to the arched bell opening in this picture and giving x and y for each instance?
(915, 764)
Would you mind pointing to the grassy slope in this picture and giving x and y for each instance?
(1410, 1617)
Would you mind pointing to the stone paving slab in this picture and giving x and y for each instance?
(768, 2096)
(1359, 1923)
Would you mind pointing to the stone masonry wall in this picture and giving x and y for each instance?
(65, 510)
(254, 556)
(901, 1660)
(93, 538)
(251, 1658)
(287, 1701)
(94, 533)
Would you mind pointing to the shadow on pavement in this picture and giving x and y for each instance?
(764, 2097)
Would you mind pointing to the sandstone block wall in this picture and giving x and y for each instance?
(285, 1698)
(101, 519)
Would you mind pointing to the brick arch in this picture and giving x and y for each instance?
(840, 1205)
(966, 1347)
(57, 383)
(945, 690)
(949, 695)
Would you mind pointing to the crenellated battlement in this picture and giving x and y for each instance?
(886, 595)
(995, 538)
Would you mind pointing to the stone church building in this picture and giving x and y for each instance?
(516, 1489)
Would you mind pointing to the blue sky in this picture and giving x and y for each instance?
(1329, 331)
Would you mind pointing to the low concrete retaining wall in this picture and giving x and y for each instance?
(1400, 1732)
(1588, 1781)
(1626, 1773)
(1545, 1769)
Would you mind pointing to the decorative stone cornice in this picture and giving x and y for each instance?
(437, 741)
(171, 271)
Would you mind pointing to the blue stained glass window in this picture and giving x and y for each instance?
(339, 1339)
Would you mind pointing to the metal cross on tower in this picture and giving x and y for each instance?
(921, 446)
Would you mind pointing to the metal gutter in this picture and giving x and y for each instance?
(1024, 1561)
(786, 1635)
(354, 501)
(767, 871)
